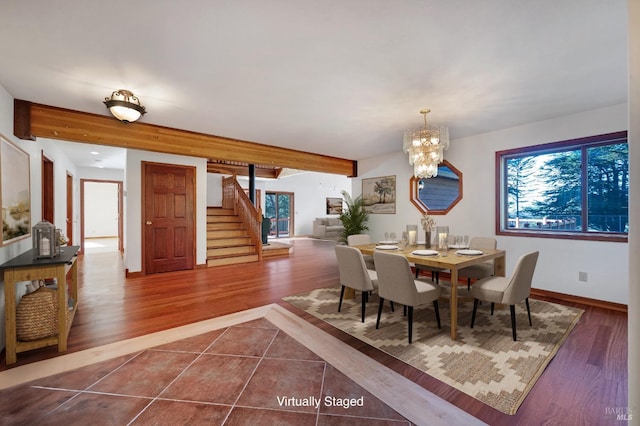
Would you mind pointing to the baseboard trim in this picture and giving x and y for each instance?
(137, 274)
(619, 307)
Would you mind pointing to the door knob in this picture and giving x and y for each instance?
(149, 222)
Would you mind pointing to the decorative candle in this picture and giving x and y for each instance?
(412, 233)
(443, 235)
(45, 247)
(412, 237)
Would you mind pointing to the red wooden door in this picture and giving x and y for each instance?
(168, 217)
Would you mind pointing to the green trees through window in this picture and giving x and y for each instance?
(278, 207)
(578, 187)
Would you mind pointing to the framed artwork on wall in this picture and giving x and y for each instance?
(334, 205)
(379, 195)
(15, 196)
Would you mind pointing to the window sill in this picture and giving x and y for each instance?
(592, 236)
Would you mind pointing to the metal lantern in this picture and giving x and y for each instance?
(45, 243)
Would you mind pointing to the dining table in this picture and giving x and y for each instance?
(453, 259)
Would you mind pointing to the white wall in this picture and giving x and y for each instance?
(100, 209)
(560, 260)
(214, 190)
(133, 203)
(96, 173)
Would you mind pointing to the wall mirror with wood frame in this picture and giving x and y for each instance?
(437, 195)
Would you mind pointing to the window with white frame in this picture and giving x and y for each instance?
(575, 189)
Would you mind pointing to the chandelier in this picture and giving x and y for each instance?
(425, 147)
(125, 106)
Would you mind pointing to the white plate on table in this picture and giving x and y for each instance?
(386, 247)
(390, 242)
(469, 252)
(424, 252)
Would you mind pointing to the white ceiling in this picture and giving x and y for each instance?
(336, 77)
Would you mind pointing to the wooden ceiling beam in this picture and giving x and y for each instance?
(76, 126)
(230, 169)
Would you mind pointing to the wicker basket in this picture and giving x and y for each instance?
(37, 315)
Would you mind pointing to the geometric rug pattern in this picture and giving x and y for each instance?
(484, 362)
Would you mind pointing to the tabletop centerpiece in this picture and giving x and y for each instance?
(428, 225)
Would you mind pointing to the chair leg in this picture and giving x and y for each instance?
(393, 309)
(410, 319)
(437, 277)
(417, 272)
(437, 309)
(341, 296)
(404, 310)
(379, 312)
(468, 283)
(473, 313)
(512, 308)
(364, 303)
(528, 311)
(492, 306)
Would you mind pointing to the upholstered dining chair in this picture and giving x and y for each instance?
(507, 291)
(358, 240)
(354, 274)
(481, 270)
(396, 283)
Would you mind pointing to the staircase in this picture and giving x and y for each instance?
(228, 241)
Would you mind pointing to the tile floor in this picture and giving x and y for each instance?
(249, 373)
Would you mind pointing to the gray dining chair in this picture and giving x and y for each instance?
(354, 274)
(507, 291)
(481, 270)
(359, 240)
(397, 284)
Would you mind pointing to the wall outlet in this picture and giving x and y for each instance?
(583, 276)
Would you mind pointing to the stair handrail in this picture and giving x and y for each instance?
(234, 197)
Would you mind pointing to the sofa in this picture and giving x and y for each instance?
(327, 227)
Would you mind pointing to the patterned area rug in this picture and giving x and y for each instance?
(484, 362)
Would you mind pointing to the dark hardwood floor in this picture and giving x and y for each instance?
(583, 384)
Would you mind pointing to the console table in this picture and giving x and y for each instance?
(25, 268)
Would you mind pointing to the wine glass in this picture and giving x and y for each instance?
(466, 241)
(386, 237)
(392, 236)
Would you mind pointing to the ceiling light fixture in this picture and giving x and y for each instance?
(125, 106)
(425, 147)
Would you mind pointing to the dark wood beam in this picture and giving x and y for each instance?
(75, 126)
(22, 120)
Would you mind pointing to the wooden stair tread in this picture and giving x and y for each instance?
(232, 260)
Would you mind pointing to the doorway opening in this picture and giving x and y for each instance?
(101, 216)
(278, 209)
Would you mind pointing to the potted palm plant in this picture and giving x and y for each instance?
(354, 217)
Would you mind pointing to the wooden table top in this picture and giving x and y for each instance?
(451, 260)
